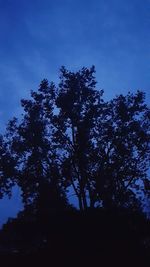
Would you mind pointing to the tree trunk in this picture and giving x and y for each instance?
(80, 203)
(84, 200)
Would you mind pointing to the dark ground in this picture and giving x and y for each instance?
(92, 238)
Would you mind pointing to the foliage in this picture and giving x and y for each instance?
(70, 138)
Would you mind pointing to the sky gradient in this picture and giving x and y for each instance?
(38, 37)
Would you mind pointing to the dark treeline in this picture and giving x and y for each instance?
(70, 140)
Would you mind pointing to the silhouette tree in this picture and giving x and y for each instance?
(106, 144)
(31, 141)
(70, 137)
(122, 137)
(79, 104)
(7, 169)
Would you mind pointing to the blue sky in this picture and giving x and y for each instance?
(38, 37)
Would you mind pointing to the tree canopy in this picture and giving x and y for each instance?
(69, 138)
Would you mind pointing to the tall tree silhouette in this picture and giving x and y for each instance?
(79, 103)
(70, 137)
(123, 150)
(106, 143)
(31, 141)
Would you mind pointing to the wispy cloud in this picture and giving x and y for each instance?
(38, 37)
